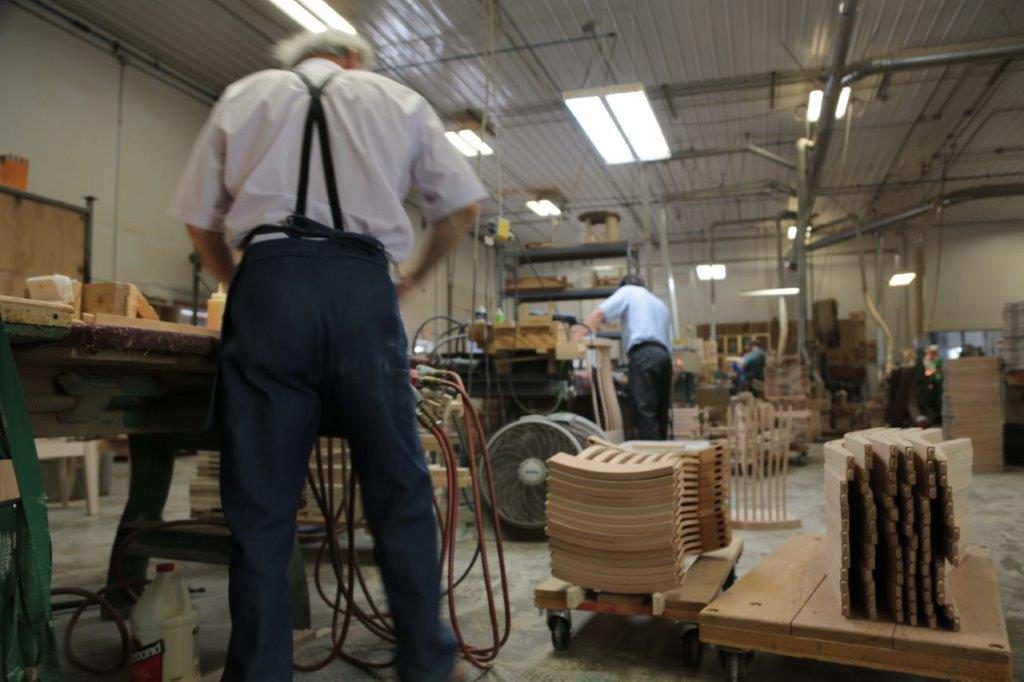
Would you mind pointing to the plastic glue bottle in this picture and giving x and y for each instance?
(165, 628)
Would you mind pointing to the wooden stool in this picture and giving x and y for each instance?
(68, 451)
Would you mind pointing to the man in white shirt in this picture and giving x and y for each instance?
(306, 171)
(647, 339)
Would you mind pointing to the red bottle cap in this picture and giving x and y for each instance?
(165, 568)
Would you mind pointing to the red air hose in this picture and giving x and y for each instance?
(348, 606)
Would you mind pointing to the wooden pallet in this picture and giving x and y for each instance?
(784, 606)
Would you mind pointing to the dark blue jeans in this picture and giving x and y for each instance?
(312, 337)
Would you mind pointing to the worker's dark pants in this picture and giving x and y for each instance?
(313, 335)
(650, 387)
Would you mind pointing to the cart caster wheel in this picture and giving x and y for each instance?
(693, 650)
(561, 633)
(801, 459)
(729, 580)
(735, 665)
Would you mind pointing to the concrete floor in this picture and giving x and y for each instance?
(603, 648)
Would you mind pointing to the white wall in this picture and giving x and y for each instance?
(61, 99)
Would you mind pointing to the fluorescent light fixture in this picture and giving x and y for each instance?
(791, 232)
(597, 123)
(902, 279)
(326, 14)
(815, 99)
(459, 143)
(814, 105)
(783, 291)
(710, 271)
(636, 118)
(543, 207)
(300, 15)
(844, 101)
(474, 141)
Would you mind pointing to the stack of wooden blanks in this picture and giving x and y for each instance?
(901, 551)
(611, 520)
(851, 529)
(786, 376)
(204, 488)
(702, 500)
(689, 422)
(1012, 341)
(972, 407)
(623, 520)
(884, 484)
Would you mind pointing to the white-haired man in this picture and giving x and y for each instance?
(306, 170)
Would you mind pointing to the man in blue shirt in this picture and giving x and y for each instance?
(647, 339)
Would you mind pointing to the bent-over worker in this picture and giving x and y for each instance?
(647, 340)
(306, 168)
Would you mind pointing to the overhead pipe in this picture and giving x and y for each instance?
(759, 187)
(686, 154)
(949, 199)
(943, 55)
(501, 50)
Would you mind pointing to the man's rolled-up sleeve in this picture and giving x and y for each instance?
(441, 173)
(201, 198)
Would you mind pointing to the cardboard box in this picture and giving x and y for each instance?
(14, 171)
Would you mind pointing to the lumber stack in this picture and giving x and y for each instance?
(972, 407)
(689, 422)
(897, 518)
(624, 520)
(786, 376)
(1012, 342)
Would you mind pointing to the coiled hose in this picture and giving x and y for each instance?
(346, 604)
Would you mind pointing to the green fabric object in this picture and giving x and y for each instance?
(27, 644)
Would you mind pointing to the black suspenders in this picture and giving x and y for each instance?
(318, 118)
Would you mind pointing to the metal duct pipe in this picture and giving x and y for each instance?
(758, 187)
(950, 199)
(847, 10)
(754, 149)
(944, 55)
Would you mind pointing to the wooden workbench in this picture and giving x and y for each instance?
(783, 606)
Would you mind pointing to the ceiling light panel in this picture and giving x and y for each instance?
(474, 141)
(814, 105)
(711, 271)
(597, 123)
(300, 15)
(329, 16)
(843, 103)
(460, 143)
(782, 291)
(902, 279)
(636, 118)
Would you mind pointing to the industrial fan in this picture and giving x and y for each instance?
(519, 452)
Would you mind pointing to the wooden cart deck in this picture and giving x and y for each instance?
(784, 607)
(701, 584)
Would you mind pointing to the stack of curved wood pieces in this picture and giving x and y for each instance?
(897, 519)
(760, 436)
(624, 520)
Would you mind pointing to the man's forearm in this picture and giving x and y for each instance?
(213, 252)
(444, 238)
(591, 323)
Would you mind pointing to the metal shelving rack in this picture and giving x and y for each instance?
(628, 251)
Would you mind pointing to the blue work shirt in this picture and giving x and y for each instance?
(644, 317)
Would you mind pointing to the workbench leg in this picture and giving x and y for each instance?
(152, 466)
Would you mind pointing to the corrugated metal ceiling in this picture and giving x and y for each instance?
(707, 65)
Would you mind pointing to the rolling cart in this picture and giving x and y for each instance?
(709, 576)
(783, 606)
